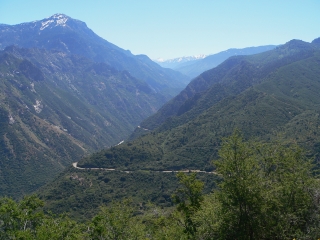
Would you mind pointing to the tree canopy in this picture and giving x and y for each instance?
(265, 191)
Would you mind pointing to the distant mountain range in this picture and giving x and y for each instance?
(195, 65)
(268, 96)
(62, 33)
(176, 62)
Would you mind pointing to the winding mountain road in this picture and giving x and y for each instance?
(75, 165)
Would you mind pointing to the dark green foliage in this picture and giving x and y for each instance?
(19, 219)
(81, 192)
(189, 199)
(267, 192)
(25, 220)
(116, 222)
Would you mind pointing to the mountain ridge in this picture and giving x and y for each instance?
(176, 62)
(195, 67)
(58, 107)
(213, 76)
(74, 37)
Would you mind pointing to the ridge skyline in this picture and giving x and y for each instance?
(169, 29)
(157, 60)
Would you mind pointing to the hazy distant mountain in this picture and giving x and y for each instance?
(193, 67)
(62, 33)
(176, 62)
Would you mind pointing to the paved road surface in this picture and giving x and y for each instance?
(75, 165)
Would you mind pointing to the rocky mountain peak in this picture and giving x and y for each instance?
(59, 16)
(53, 21)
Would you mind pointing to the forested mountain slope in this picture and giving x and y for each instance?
(229, 78)
(269, 96)
(56, 107)
(257, 100)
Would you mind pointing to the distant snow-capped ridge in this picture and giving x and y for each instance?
(181, 59)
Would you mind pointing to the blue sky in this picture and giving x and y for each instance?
(175, 28)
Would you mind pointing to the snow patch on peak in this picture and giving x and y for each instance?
(59, 16)
(58, 19)
(200, 56)
(181, 59)
(45, 24)
(62, 22)
(159, 60)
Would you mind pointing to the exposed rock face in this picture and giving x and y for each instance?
(38, 106)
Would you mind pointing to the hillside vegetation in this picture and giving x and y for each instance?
(268, 96)
(56, 108)
(267, 192)
(260, 99)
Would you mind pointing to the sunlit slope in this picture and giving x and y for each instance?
(228, 79)
(56, 108)
(259, 96)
